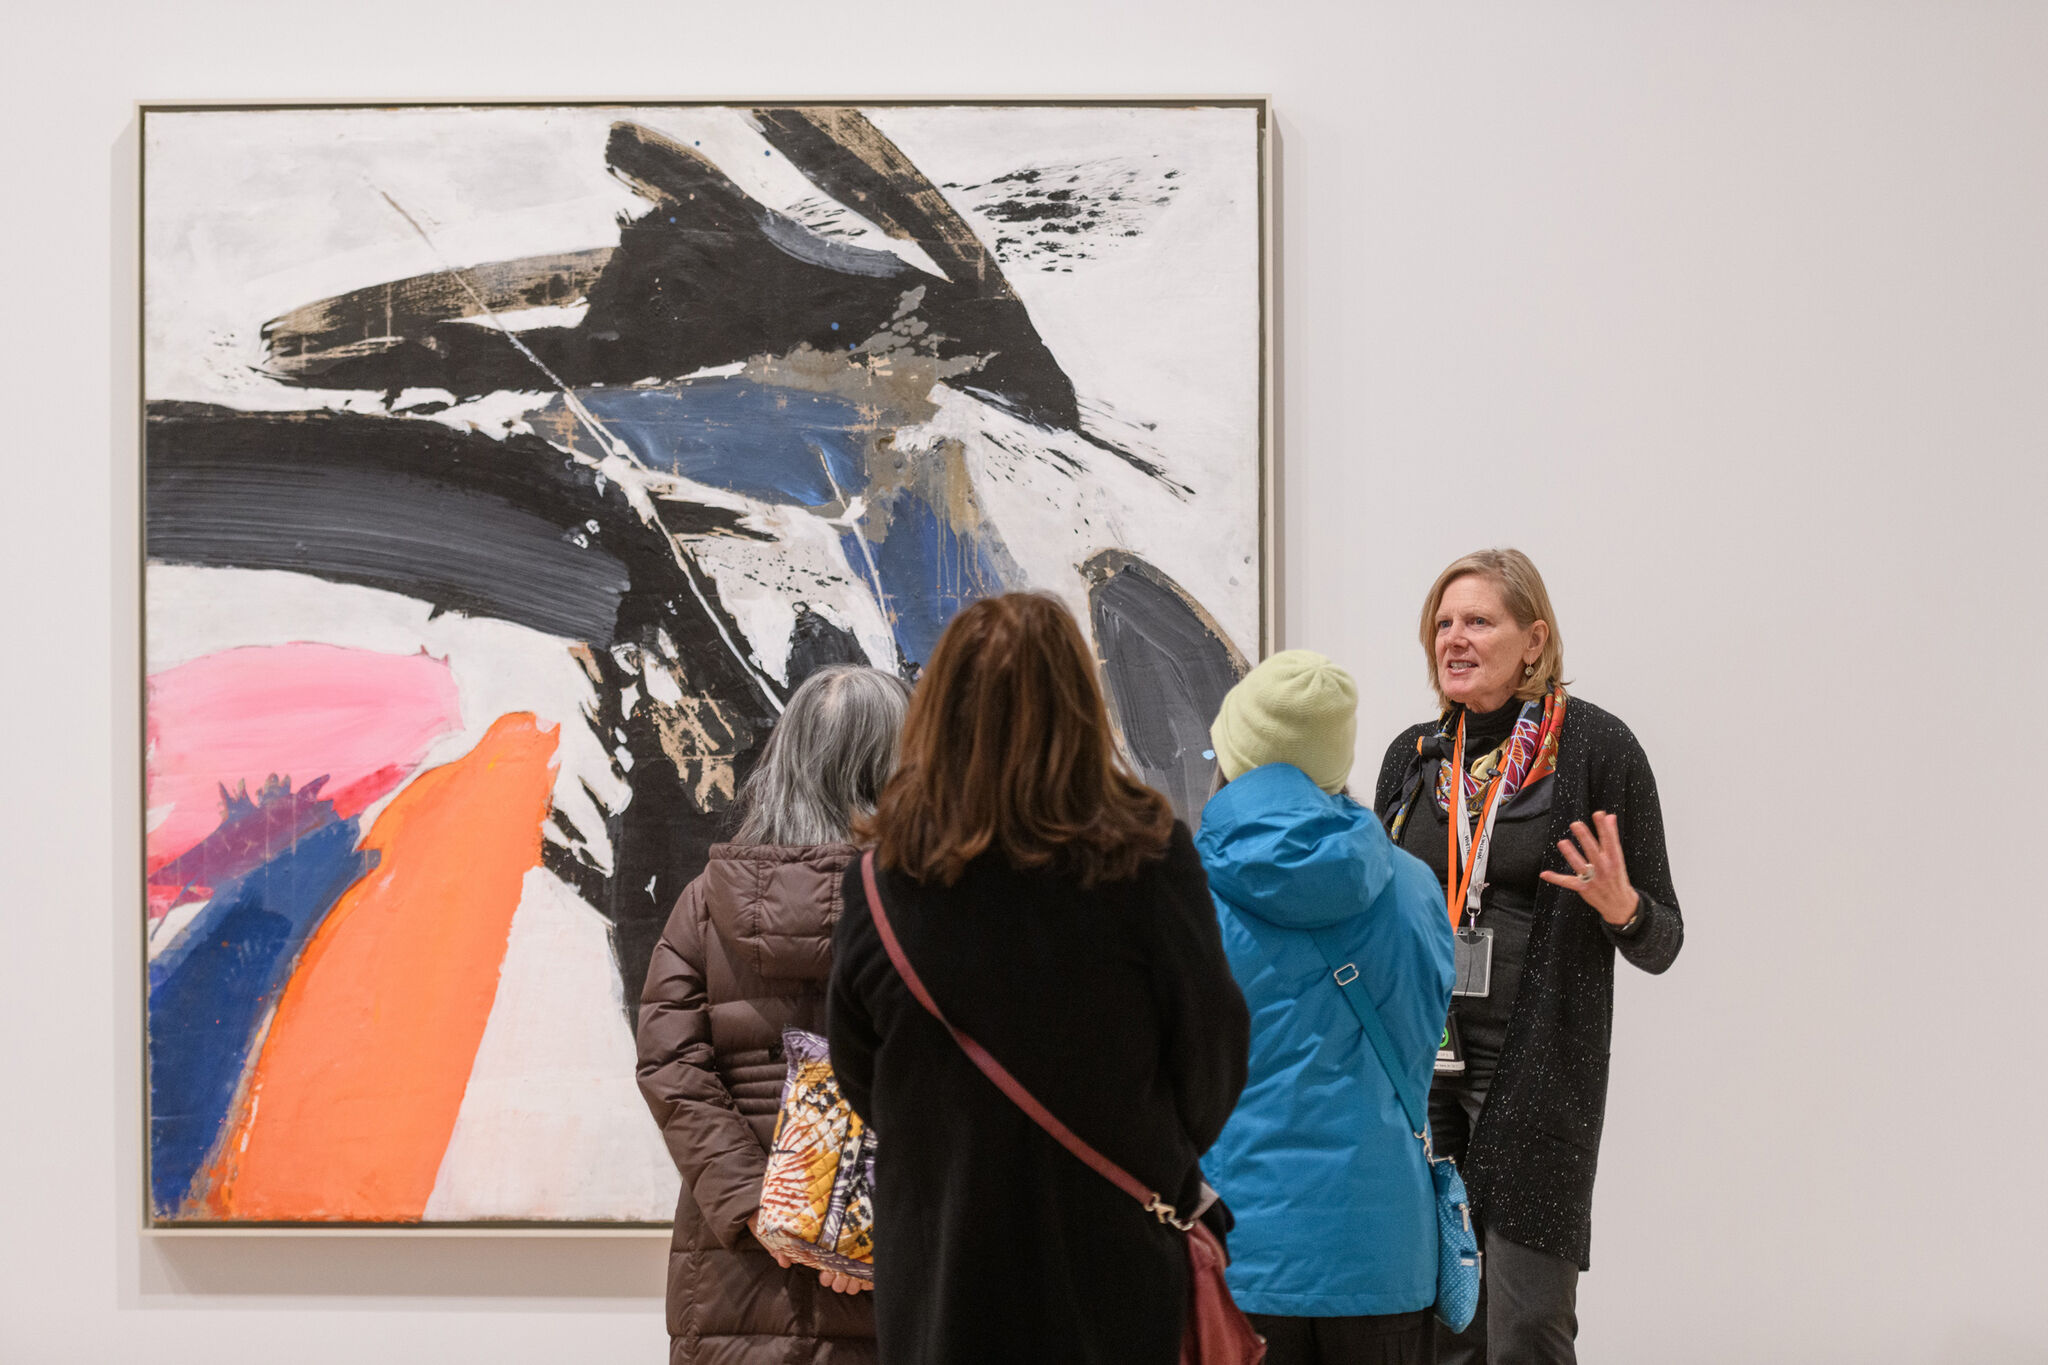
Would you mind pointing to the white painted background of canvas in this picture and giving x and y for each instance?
(1735, 309)
(251, 215)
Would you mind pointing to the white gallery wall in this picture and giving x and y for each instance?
(1735, 316)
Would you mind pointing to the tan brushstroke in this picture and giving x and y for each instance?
(379, 316)
(945, 236)
(890, 390)
(702, 738)
(580, 652)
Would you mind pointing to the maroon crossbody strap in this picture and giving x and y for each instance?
(994, 1070)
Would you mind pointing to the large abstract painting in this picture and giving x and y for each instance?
(506, 469)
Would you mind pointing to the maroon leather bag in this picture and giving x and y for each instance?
(1217, 1332)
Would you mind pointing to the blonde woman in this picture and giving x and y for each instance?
(1539, 816)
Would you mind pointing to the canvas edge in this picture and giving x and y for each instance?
(1262, 103)
(1269, 365)
(138, 892)
(152, 1226)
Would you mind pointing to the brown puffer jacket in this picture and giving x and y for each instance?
(745, 955)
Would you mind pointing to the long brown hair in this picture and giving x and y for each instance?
(1008, 747)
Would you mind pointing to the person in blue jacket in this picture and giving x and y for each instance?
(1334, 1253)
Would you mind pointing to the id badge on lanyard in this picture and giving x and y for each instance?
(1450, 1053)
(1473, 946)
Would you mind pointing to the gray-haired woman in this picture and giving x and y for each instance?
(745, 955)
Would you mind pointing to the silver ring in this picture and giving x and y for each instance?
(1586, 874)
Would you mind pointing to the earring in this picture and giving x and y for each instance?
(1528, 670)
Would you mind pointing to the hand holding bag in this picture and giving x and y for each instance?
(817, 1199)
(1217, 1333)
(1457, 1265)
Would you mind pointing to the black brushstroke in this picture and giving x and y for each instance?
(707, 277)
(816, 643)
(490, 528)
(1165, 668)
(662, 839)
(847, 157)
(407, 506)
(515, 530)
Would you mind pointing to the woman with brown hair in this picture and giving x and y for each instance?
(1059, 915)
(1538, 814)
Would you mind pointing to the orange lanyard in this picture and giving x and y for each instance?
(1465, 858)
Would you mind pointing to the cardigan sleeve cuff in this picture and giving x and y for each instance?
(1650, 941)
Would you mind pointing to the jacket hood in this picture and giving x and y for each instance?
(1281, 849)
(776, 903)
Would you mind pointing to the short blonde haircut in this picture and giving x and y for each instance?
(1527, 600)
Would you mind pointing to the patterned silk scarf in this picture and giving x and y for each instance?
(1524, 758)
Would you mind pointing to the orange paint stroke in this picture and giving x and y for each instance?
(352, 1100)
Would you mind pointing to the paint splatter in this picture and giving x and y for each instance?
(1048, 217)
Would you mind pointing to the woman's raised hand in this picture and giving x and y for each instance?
(1600, 875)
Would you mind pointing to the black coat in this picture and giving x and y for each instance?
(1530, 1163)
(1116, 1008)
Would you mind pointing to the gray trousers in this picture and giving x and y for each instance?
(1528, 1300)
(1528, 1311)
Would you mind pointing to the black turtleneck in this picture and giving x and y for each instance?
(1487, 730)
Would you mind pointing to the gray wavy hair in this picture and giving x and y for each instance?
(827, 759)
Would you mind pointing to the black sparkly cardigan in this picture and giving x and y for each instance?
(1529, 1166)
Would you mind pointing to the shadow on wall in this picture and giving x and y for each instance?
(322, 1265)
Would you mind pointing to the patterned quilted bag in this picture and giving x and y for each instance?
(817, 1200)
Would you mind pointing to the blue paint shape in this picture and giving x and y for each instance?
(248, 831)
(776, 444)
(757, 439)
(206, 1002)
(835, 326)
(929, 571)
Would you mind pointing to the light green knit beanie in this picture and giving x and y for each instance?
(1297, 707)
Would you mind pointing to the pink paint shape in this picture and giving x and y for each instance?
(360, 719)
